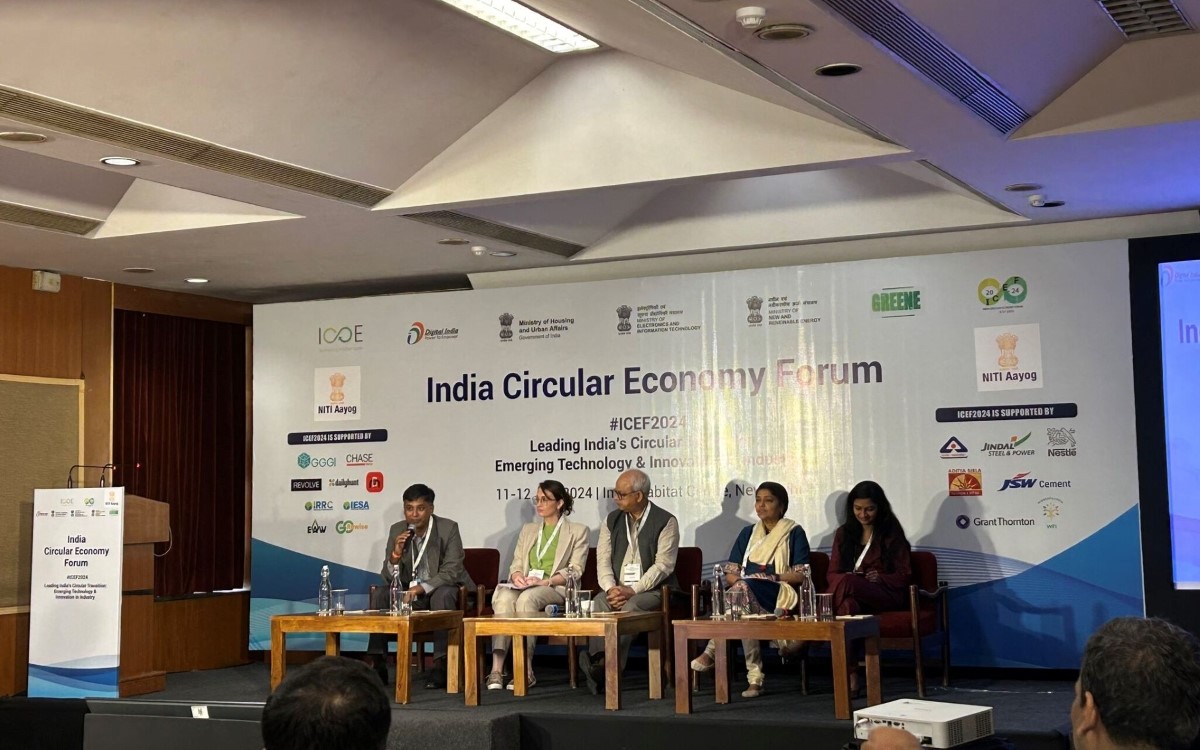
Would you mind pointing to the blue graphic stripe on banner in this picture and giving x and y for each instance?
(68, 682)
(279, 573)
(1045, 615)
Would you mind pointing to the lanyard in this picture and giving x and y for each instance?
(541, 548)
(637, 553)
(861, 555)
(417, 558)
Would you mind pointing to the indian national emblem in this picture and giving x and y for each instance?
(337, 381)
(506, 320)
(623, 313)
(755, 304)
(1008, 348)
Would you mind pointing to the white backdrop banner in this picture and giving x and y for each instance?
(990, 393)
(75, 594)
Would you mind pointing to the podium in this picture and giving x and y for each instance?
(146, 523)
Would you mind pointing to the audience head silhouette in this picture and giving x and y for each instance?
(334, 703)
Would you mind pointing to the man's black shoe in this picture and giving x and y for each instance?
(436, 679)
(593, 672)
(378, 662)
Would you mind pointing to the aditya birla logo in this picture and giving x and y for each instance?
(416, 332)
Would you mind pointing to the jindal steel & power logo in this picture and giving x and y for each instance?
(416, 332)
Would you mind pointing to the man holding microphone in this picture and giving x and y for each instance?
(426, 553)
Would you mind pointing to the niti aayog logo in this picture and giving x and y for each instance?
(416, 332)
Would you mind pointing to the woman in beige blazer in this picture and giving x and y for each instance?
(538, 573)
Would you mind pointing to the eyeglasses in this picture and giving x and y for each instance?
(622, 495)
(545, 500)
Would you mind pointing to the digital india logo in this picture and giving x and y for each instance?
(416, 332)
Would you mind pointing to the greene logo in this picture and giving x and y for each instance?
(1013, 291)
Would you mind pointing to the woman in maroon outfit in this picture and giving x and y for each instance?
(869, 570)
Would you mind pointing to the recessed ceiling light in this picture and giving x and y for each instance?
(837, 70)
(1053, 204)
(21, 136)
(478, 249)
(530, 25)
(120, 161)
(1022, 187)
(196, 280)
(454, 241)
(138, 269)
(780, 32)
(501, 253)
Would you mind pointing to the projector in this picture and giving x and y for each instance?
(935, 724)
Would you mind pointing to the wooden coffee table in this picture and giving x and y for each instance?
(839, 633)
(608, 625)
(404, 628)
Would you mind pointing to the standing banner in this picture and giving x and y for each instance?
(75, 594)
(990, 394)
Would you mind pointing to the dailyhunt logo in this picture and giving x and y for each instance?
(1010, 448)
(896, 302)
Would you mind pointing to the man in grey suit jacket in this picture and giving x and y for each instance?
(426, 552)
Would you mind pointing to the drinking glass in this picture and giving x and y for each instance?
(585, 603)
(735, 603)
(339, 601)
(824, 606)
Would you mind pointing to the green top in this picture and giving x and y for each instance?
(545, 563)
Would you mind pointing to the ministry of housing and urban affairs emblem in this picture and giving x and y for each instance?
(755, 304)
(506, 326)
(623, 313)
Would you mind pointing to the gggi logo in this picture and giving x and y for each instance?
(306, 461)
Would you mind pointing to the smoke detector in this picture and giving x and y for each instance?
(751, 16)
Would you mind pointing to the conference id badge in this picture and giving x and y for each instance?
(631, 574)
(536, 574)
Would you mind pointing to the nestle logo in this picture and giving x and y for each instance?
(306, 485)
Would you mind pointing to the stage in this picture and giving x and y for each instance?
(1033, 714)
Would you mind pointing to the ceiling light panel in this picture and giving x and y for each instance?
(528, 24)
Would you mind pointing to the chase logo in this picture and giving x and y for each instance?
(318, 505)
(1013, 291)
(348, 527)
(953, 448)
(356, 505)
(416, 332)
(1020, 481)
(306, 461)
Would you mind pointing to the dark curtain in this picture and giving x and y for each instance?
(179, 436)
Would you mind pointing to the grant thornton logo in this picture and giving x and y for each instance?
(416, 332)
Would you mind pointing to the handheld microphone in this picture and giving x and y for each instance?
(782, 614)
(553, 610)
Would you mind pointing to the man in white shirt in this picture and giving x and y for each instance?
(635, 556)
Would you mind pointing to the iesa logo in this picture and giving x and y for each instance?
(1013, 291)
(416, 332)
(316, 505)
(330, 335)
(374, 481)
(306, 461)
(356, 505)
(348, 527)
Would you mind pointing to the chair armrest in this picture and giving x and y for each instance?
(462, 597)
(481, 593)
(695, 600)
(937, 593)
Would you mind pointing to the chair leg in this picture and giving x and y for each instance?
(572, 667)
(920, 667)
(804, 674)
(945, 659)
(668, 655)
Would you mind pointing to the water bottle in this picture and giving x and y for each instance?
(395, 593)
(324, 593)
(572, 596)
(807, 609)
(718, 593)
